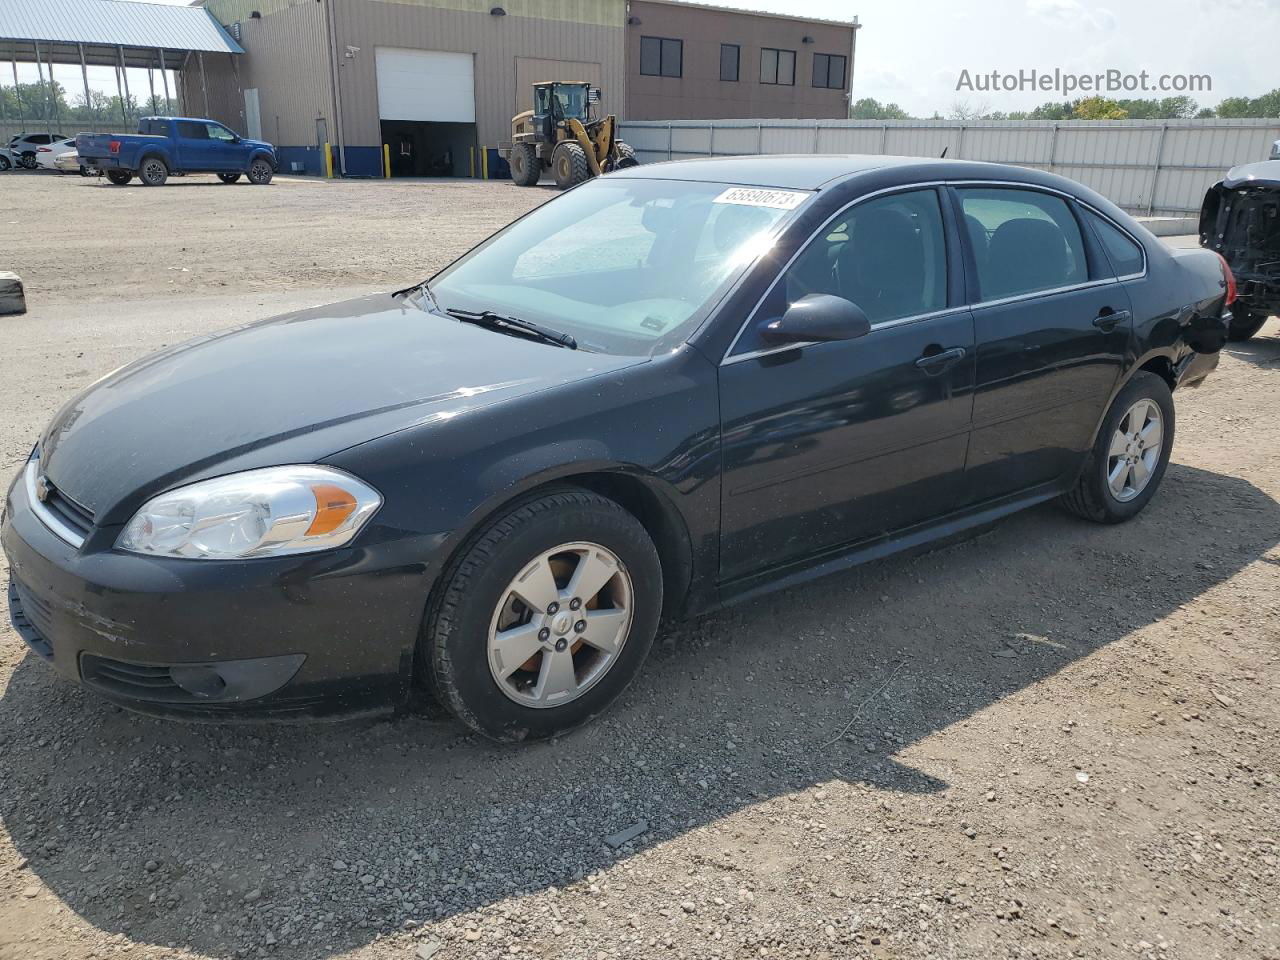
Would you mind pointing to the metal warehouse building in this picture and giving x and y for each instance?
(437, 81)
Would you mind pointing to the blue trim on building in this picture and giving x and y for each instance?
(363, 162)
(311, 158)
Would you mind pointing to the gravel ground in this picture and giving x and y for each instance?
(1052, 739)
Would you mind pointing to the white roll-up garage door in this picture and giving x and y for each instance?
(426, 85)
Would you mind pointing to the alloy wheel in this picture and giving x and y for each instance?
(560, 625)
(1135, 450)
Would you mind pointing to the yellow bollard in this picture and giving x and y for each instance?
(386, 161)
(484, 163)
(328, 162)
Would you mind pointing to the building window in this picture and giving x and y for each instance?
(661, 57)
(778, 66)
(730, 53)
(828, 70)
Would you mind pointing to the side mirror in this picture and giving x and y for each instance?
(816, 318)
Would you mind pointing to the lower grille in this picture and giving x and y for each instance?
(31, 618)
(133, 680)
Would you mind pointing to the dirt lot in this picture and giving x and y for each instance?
(1051, 740)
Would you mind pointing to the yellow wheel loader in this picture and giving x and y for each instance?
(561, 133)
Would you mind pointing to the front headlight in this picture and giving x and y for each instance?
(259, 513)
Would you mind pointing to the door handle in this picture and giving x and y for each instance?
(1108, 320)
(937, 362)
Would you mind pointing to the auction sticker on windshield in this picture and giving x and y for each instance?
(754, 197)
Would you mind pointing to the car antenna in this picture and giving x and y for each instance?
(943, 155)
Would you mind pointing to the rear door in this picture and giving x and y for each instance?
(1053, 327)
(828, 444)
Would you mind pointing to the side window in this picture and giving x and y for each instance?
(1023, 241)
(888, 255)
(218, 132)
(1125, 254)
(190, 130)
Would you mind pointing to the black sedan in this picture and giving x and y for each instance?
(674, 387)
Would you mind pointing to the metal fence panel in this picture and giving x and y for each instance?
(1148, 167)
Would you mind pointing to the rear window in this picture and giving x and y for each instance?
(1123, 251)
(1023, 241)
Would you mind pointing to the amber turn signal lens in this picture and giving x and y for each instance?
(333, 505)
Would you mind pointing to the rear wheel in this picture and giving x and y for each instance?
(228, 177)
(1244, 325)
(545, 618)
(27, 160)
(1130, 455)
(260, 172)
(119, 177)
(526, 168)
(569, 164)
(153, 172)
(84, 171)
(4, 162)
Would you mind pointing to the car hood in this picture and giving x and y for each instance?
(259, 143)
(1264, 173)
(292, 389)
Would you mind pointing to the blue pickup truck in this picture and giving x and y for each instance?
(165, 145)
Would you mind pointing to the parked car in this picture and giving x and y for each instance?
(69, 162)
(25, 145)
(6, 159)
(750, 372)
(46, 156)
(172, 145)
(1240, 219)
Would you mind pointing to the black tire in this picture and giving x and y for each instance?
(1092, 497)
(228, 177)
(119, 177)
(526, 168)
(626, 156)
(453, 657)
(1244, 325)
(84, 171)
(153, 172)
(4, 163)
(27, 160)
(260, 172)
(569, 164)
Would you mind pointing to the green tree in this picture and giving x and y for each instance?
(870, 109)
(1097, 108)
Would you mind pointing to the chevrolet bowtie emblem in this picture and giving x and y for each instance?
(42, 489)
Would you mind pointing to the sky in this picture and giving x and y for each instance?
(913, 52)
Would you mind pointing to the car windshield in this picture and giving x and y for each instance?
(626, 266)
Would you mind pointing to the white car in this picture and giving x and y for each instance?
(1275, 151)
(47, 156)
(69, 162)
(23, 147)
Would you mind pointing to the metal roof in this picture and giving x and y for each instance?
(114, 23)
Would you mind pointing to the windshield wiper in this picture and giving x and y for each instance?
(504, 324)
(424, 288)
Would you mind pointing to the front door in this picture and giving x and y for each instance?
(828, 444)
(1052, 331)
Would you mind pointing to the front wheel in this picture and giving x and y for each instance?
(4, 163)
(260, 172)
(228, 177)
(569, 164)
(119, 177)
(153, 172)
(545, 618)
(1130, 454)
(1244, 325)
(27, 160)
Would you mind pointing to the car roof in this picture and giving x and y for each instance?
(816, 171)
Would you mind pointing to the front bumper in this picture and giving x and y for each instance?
(282, 638)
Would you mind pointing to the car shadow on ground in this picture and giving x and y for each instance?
(1263, 349)
(325, 836)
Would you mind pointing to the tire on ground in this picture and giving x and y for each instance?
(228, 177)
(153, 172)
(453, 656)
(1244, 325)
(119, 177)
(260, 172)
(626, 156)
(1092, 498)
(526, 168)
(569, 164)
